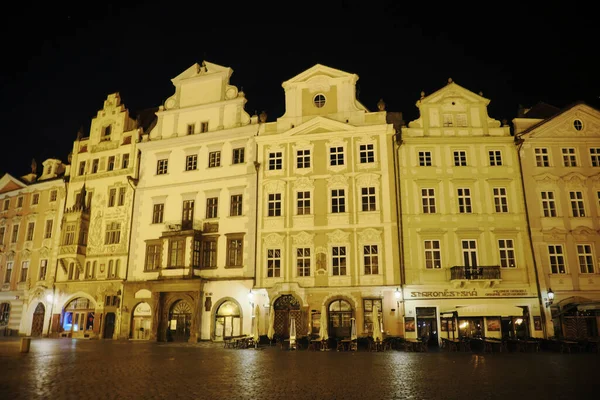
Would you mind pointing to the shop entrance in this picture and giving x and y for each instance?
(228, 321)
(286, 307)
(427, 325)
(180, 322)
(37, 325)
(109, 325)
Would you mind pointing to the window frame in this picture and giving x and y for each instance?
(557, 259)
(507, 253)
(432, 254)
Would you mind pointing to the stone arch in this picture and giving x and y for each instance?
(214, 316)
(141, 320)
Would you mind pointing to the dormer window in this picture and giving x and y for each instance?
(106, 132)
(319, 100)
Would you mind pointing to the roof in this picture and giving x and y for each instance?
(539, 111)
(147, 118)
(567, 108)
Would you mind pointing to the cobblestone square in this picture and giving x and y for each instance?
(92, 369)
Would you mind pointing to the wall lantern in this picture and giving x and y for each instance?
(397, 296)
(550, 297)
(251, 297)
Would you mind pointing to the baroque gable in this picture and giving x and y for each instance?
(319, 125)
(580, 120)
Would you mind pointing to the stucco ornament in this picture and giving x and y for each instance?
(273, 240)
(303, 239)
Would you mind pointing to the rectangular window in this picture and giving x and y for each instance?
(238, 155)
(428, 200)
(191, 129)
(35, 199)
(212, 207)
(20, 202)
(121, 198)
(157, 213)
(460, 158)
(69, 235)
(336, 156)
(191, 162)
(303, 261)
(464, 201)
(371, 259)
(585, 258)
(30, 229)
(500, 200)
(187, 215)
(24, 271)
(495, 158)
(82, 168)
(424, 159)
(303, 159)
(112, 195)
(6, 204)
(433, 254)
(274, 205)
(447, 120)
(43, 269)
(162, 166)
(113, 233)
(125, 161)
(111, 163)
(275, 161)
(15, 234)
(338, 260)
(235, 252)
(236, 205)
(368, 199)
(153, 256)
(209, 254)
(557, 259)
(204, 126)
(469, 253)
(367, 153)
(461, 120)
(303, 202)
(196, 253)
(577, 208)
(214, 159)
(507, 253)
(595, 156)
(176, 253)
(569, 158)
(541, 157)
(548, 204)
(273, 263)
(369, 305)
(8, 275)
(338, 201)
(53, 195)
(95, 164)
(2, 232)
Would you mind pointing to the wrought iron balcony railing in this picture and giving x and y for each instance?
(475, 273)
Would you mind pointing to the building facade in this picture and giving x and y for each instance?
(30, 212)
(327, 240)
(95, 228)
(192, 257)
(560, 154)
(468, 264)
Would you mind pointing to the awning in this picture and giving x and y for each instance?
(487, 310)
(588, 306)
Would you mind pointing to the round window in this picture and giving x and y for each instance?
(578, 125)
(319, 101)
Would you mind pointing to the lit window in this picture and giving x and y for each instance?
(433, 254)
(557, 259)
(507, 253)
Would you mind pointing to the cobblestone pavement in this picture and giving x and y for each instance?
(92, 369)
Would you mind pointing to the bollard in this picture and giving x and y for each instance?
(25, 344)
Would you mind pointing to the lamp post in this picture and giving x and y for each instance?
(397, 295)
(550, 298)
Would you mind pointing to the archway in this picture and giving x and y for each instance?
(142, 321)
(109, 325)
(340, 314)
(37, 324)
(78, 316)
(227, 320)
(286, 307)
(180, 322)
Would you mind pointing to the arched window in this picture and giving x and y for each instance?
(340, 313)
(227, 320)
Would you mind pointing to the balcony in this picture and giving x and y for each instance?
(487, 276)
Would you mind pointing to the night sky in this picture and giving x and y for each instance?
(61, 61)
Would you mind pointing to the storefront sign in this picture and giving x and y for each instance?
(471, 293)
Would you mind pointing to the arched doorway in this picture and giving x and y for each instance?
(340, 313)
(78, 317)
(227, 320)
(109, 325)
(286, 307)
(142, 321)
(180, 322)
(37, 324)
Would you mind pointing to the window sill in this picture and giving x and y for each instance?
(234, 266)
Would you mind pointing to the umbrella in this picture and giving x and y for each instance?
(376, 327)
(271, 331)
(353, 335)
(323, 335)
(292, 333)
(255, 325)
(309, 331)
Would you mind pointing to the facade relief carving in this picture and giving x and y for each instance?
(337, 180)
(303, 239)
(369, 235)
(273, 239)
(338, 236)
(304, 183)
(367, 180)
(275, 186)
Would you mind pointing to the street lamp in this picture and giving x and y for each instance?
(251, 297)
(550, 297)
(397, 295)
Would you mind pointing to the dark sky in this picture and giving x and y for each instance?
(63, 60)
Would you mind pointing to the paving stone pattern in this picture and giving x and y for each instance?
(93, 369)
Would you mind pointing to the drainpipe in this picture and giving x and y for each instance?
(396, 142)
(519, 142)
(257, 169)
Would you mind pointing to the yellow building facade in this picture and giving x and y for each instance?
(468, 266)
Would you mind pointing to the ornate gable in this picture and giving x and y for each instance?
(8, 183)
(579, 120)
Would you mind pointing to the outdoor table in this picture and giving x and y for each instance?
(567, 345)
(451, 344)
(317, 344)
(345, 344)
(490, 343)
(525, 345)
(416, 345)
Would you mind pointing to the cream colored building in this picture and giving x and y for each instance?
(467, 254)
(327, 231)
(192, 258)
(30, 212)
(560, 155)
(94, 242)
